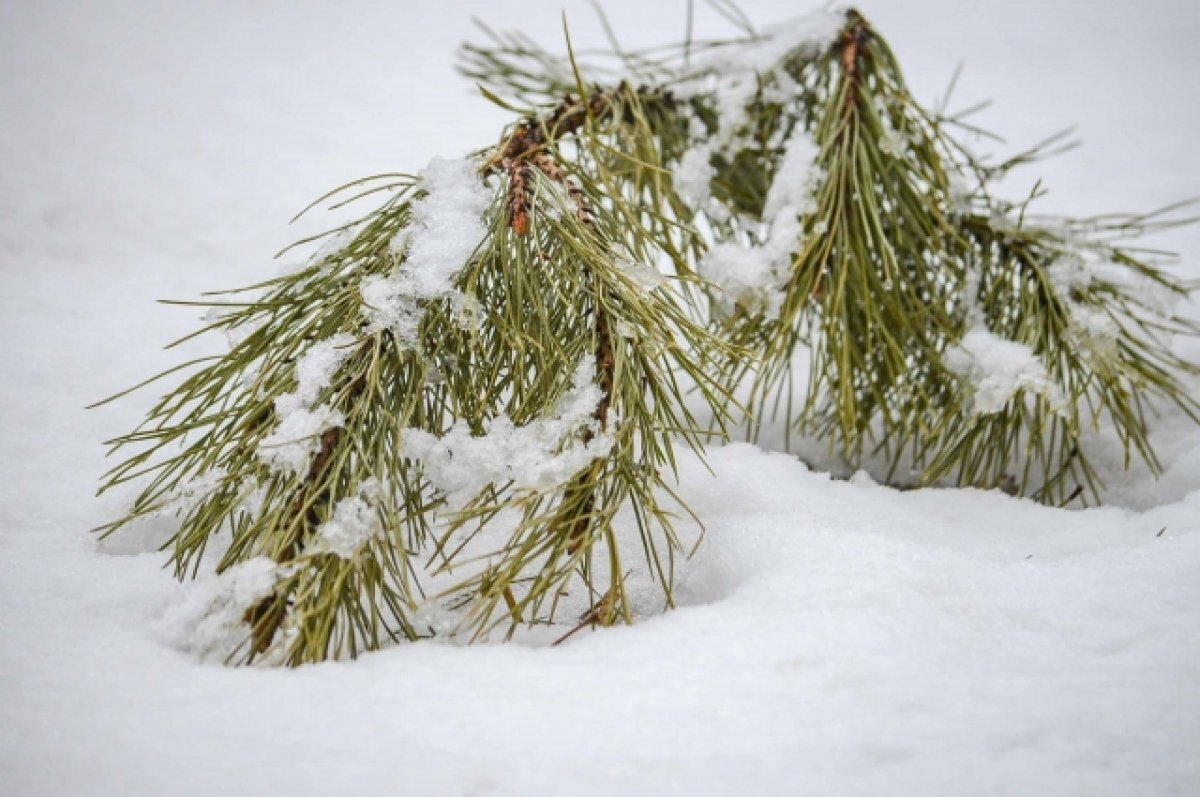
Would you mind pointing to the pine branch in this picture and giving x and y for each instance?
(326, 441)
(875, 264)
(442, 413)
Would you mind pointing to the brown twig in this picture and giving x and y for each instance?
(528, 142)
(853, 37)
(518, 194)
(600, 614)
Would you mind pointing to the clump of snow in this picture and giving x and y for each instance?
(997, 370)
(387, 307)
(466, 311)
(693, 174)
(753, 276)
(296, 438)
(208, 620)
(291, 447)
(732, 77)
(354, 523)
(961, 193)
(811, 31)
(1092, 328)
(1069, 273)
(446, 229)
(314, 370)
(252, 496)
(539, 455)
(797, 177)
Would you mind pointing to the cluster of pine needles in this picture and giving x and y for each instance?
(592, 262)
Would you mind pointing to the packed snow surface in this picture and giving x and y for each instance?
(834, 637)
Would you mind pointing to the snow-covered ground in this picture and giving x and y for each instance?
(838, 638)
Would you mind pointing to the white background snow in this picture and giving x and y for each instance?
(839, 638)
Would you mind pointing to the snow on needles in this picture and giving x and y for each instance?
(794, 187)
(446, 229)
(753, 276)
(296, 439)
(738, 69)
(538, 455)
(731, 77)
(290, 447)
(998, 369)
(208, 620)
(313, 372)
(353, 524)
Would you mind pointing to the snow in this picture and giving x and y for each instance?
(536, 456)
(736, 74)
(291, 446)
(753, 274)
(737, 69)
(206, 619)
(996, 370)
(794, 188)
(192, 492)
(692, 175)
(314, 370)
(833, 637)
(447, 227)
(354, 523)
(1091, 327)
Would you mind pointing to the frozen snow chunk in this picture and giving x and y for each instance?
(961, 193)
(387, 306)
(537, 456)
(293, 444)
(1092, 328)
(797, 178)
(354, 523)
(735, 74)
(693, 175)
(753, 276)
(997, 369)
(447, 225)
(314, 371)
